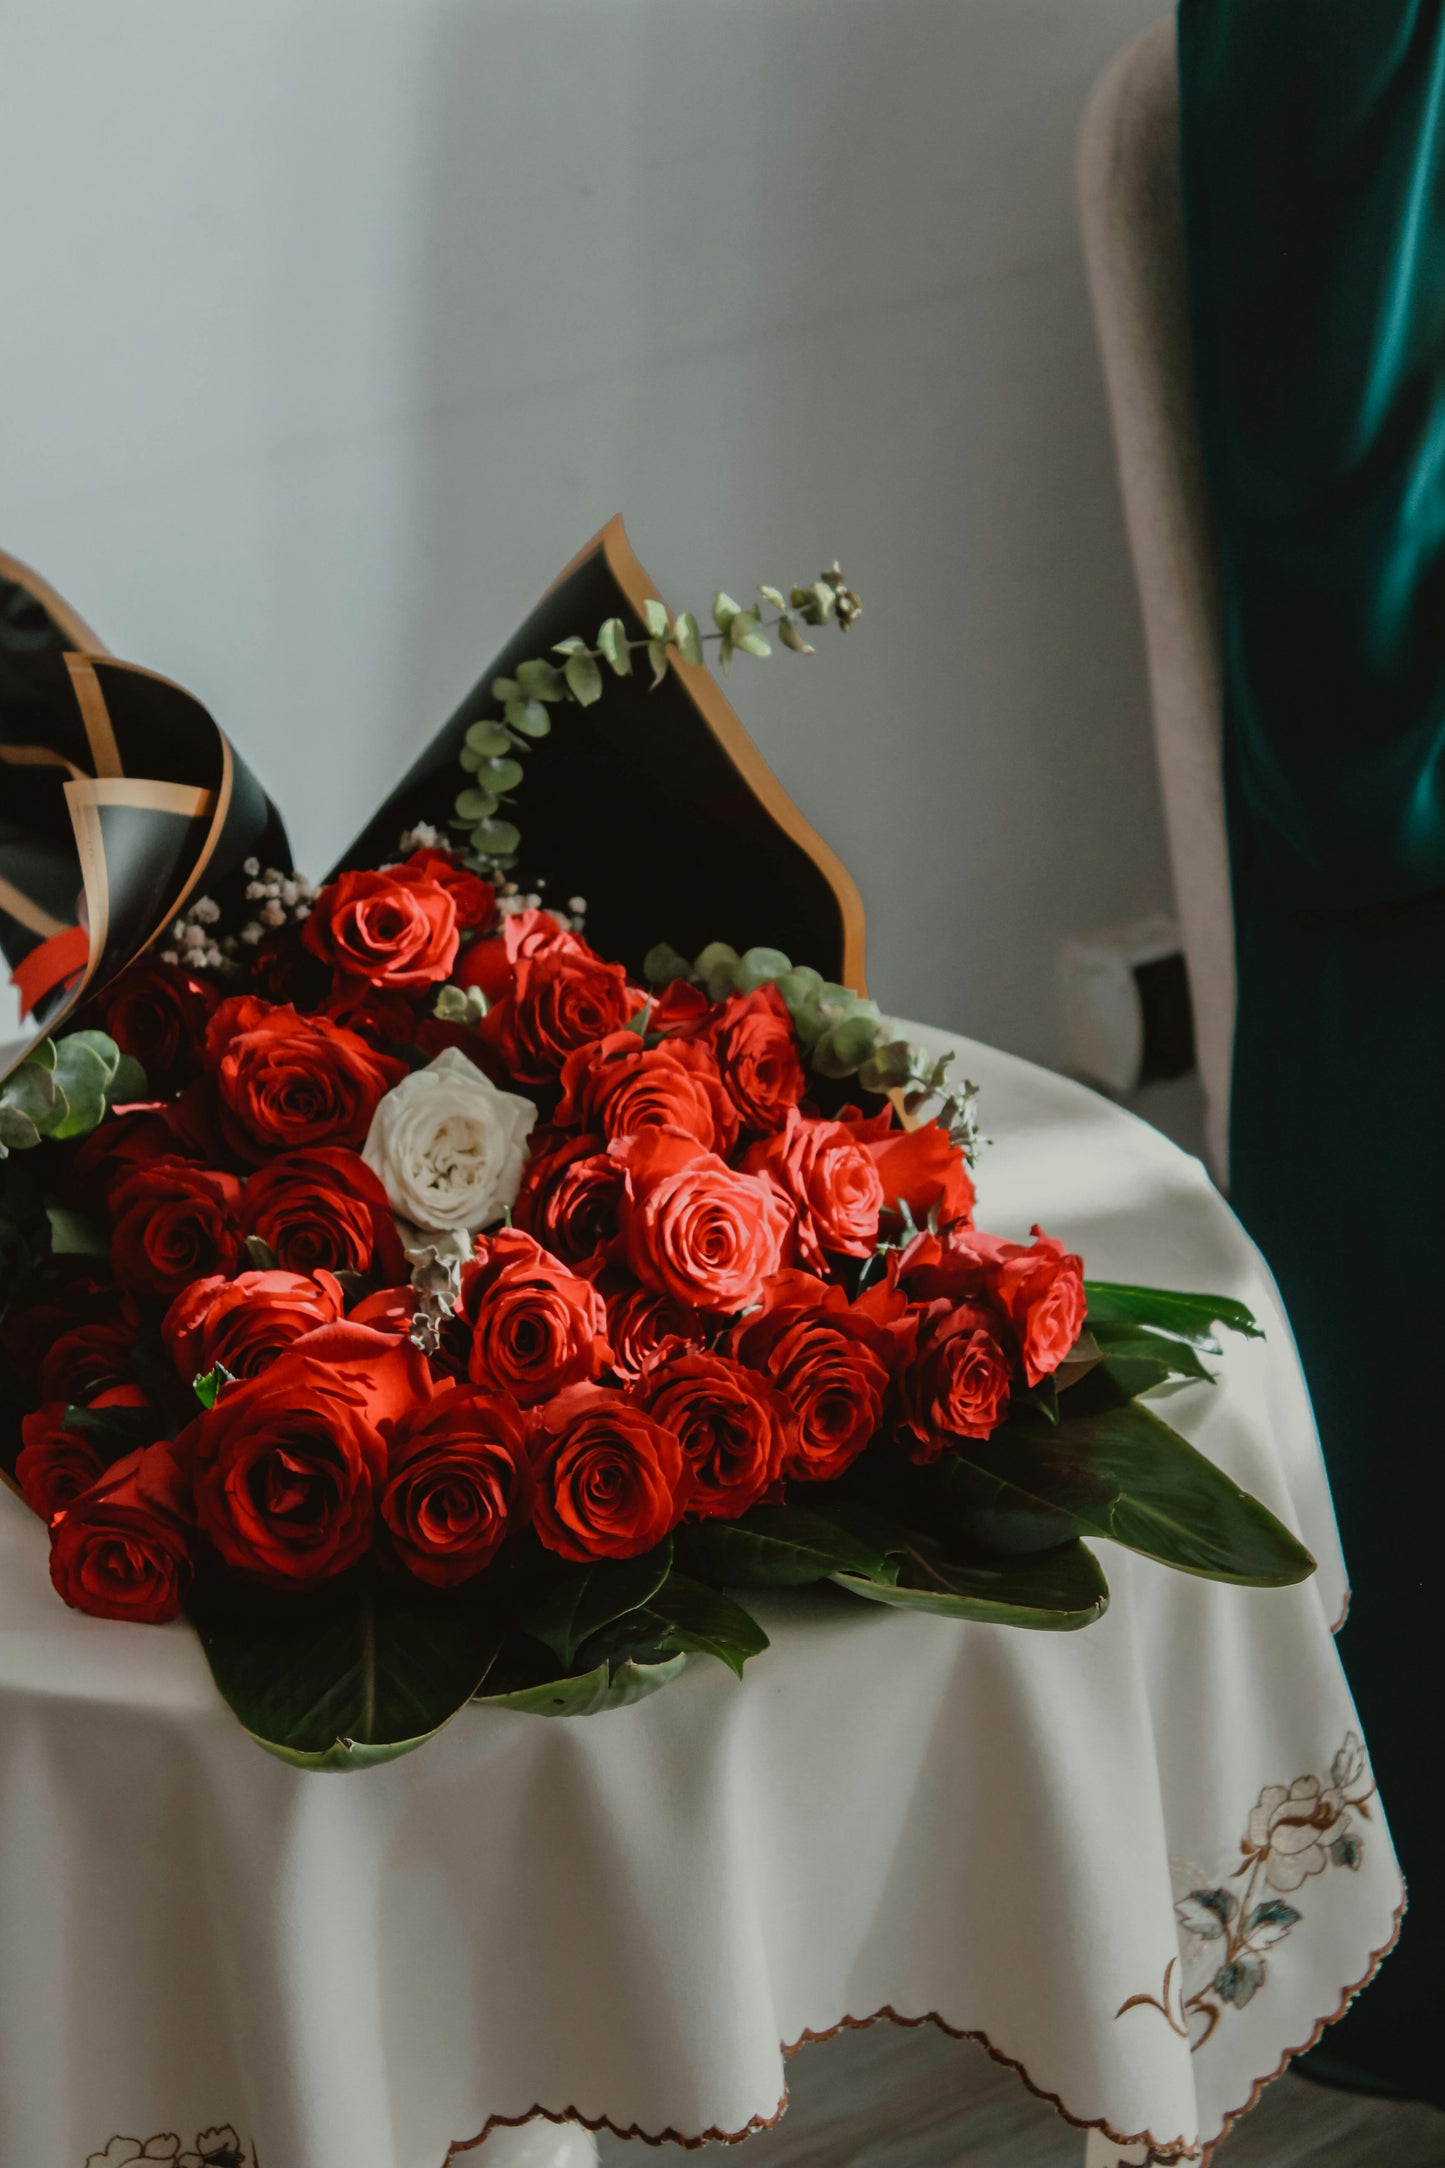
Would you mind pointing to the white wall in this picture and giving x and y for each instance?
(329, 329)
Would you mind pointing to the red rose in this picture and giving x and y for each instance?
(489, 964)
(831, 1182)
(536, 1327)
(645, 1328)
(459, 1481)
(833, 1365)
(171, 1223)
(569, 1198)
(390, 1309)
(680, 1007)
(323, 1210)
(287, 1466)
(91, 1358)
(157, 1014)
(618, 1085)
(55, 1466)
(734, 1428)
(1040, 1290)
(958, 1383)
(133, 1137)
(926, 1171)
(245, 1323)
(560, 999)
(610, 1479)
(122, 1550)
(286, 1081)
(475, 900)
(694, 1229)
(757, 1052)
(386, 1021)
(393, 929)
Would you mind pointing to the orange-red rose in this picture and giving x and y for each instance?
(644, 1328)
(474, 898)
(757, 1052)
(122, 1549)
(287, 1467)
(459, 1481)
(535, 1326)
(611, 1481)
(323, 1210)
(695, 1229)
(831, 1183)
(923, 1169)
(1039, 1288)
(833, 1363)
(958, 1384)
(734, 1428)
(393, 929)
(561, 998)
(618, 1085)
(171, 1223)
(245, 1323)
(286, 1082)
(489, 964)
(570, 1196)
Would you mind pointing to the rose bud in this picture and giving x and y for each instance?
(831, 1183)
(323, 1210)
(459, 1481)
(171, 1223)
(448, 1147)
(287, 1466)
(56, 1465)
(245, 1323)
(285, 1082)
(560, 999)
(757, 1054)
(695, 1229)
(570, 1197)
(122, 1549)
(619, 1086)
(734, 1428)
(958, 1384)
(393, 929)
(535, 1326)
(611, 1481)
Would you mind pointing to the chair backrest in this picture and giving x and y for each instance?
(1129, 185)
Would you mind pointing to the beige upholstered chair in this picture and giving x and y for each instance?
(1133, 240)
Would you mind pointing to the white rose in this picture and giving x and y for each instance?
(448, 1147)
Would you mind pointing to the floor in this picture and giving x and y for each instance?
(889, 2098)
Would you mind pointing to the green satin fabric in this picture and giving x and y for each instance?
(1313, 135)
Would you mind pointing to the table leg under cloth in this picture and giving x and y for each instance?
(1143, 1864)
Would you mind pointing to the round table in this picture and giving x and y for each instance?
(1049, 1843)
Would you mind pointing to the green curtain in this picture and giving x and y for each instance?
(1313, 136)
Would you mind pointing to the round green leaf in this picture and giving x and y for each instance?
(759, 967)
(487, 738)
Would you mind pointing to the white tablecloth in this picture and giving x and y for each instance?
(630, 1916)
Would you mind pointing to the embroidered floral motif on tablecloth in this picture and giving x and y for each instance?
(218, 2148)
(1229, 1924)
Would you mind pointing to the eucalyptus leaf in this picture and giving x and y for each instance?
(717, 967)
(663, 963)
(790, 636)
(759, 967)
(487, 739)
(504, 774)
(657, 657)
(355, 1672)
(539, 681)
(612, 639)
(1059, 1590)
(477, 804)
(528, 718)
(744, 632)
(32, 1092)
(583, 678)
(499, 839)
(774, 595)
(687, 637)
(654, 615)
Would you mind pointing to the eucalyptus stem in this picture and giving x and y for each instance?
(493, 749)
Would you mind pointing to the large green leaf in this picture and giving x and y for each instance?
(1057, 1590)
(590, 1692)
(704, 1621)
(1189, 1317)
(1134, 1359)
(562, 1605)
(356, 1672)
(1124, 1474)
(775, 1547)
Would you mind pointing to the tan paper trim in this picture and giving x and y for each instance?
(189, 800)
(37, 756)
(18, 906)
(99, 730)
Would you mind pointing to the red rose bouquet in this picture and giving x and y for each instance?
(432, 1307)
